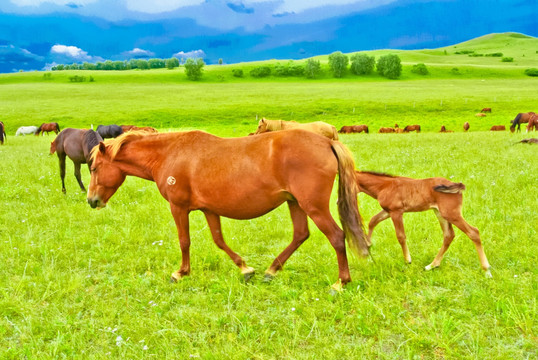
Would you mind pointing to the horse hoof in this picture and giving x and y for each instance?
(268, 278)
(337, 287)
(173, 280)
(428, 268)
(248, 276)
(488, 274)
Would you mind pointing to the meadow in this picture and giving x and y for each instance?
(82, 283)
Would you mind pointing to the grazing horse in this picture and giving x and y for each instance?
(485, 110)
(533, 123)
(397, 195)
(353, 129)
(519, 119)
(48, 127)
(386, 130)
(498, 128)
(3, 136)
(126, 128)
(318, 127)
(480, 115)
(409, 128)
(239, 178)
(77, 144)
(109, 131)
(529, 141)
(466, 126)
(26, 130)
(444, 130)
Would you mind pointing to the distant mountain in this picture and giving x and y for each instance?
(26, 41)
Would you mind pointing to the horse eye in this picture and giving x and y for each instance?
(92, 169)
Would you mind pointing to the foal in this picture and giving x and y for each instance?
(397, 195)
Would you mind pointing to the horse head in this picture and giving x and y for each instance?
(106, 177)
(262, 126)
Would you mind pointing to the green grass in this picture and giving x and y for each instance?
(81, 283)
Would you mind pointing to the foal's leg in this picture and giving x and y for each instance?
(61, 160)
(300, 234)
(181, 218)
(397, 220)
(448, 236)
(213, 220)
(77, 175)
(382, 215)
(474, 235)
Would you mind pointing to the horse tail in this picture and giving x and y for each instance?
(58, 127)
(454, 188)
(367, 131)
(348, 208)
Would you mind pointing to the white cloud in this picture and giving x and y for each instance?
(138, 53)
(190, 54)
(71, 52)
(297, 6)
(159, 6)
(55, 2)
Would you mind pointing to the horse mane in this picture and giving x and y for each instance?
(516, 120)
(115, 145)
(273, 125)
(378, 174)
(91, 139)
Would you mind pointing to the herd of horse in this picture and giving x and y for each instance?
(193, 171)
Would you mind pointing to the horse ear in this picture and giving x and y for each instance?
(102, 147)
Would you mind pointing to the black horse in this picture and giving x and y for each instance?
(77, 144)
(109, 131)
(3, 136)
(519, 119)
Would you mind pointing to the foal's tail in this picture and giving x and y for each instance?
(348, 208)
(454, 188)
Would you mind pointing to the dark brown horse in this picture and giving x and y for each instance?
(3, 136)
(397, 195)
(498, 128)
(466, 126)
(77, 144)
(48, 127)
(409, 128)
(239, 178)
(485, 110)
(444, 130)
(109, 131)
(519, 119)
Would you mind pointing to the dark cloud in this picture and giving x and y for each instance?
(240, 8)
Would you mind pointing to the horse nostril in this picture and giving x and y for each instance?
(93, 203)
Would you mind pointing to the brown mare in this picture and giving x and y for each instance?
(409, 128)
(318, 127)
(77, 144)
(519, 119)
(239, 178)
(485, 110)
(126, 128)
(386, 130)
(533, 123)
(46, 128)
(444, 130)
(353, 129)
(3, 136)
(498, 128)
(466, 126)
(397, 195)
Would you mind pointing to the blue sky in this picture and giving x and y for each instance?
(35, 34)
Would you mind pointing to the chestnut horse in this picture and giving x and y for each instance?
(498, 128)
(77, 144)
(485, 110)
(397, 195)
(126, 128)
(409, 128)
(466, 126)
(3, 136)
(386, 130)
(533, 123)
(444, 130)
(46, 128)
(318, 127)
(239, 178)
(353, 129)
(519, 119)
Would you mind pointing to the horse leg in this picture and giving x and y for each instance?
(77, 175)
(61, 160)
(213, 220)
(474, 235)
(397, 220)
(181, 218)
(382, 215)
(448, 236)
(300, 234)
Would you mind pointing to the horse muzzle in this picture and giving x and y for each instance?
(95, 202)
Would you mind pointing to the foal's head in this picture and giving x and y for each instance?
(106, 176)
(262, 126)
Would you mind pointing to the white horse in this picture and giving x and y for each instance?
(24, 130)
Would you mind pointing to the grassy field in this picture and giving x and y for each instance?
(81, 283)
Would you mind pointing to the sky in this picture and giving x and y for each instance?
(38, 34)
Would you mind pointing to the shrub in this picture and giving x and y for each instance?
(389, 66)
(290, 69)
(172, 63)
(362, 64)
(464, 52)
(507, 59)
(455, 71)
(338, 63)
(420, 69)
(77, 78)
(531, 72)
(499, 54)
(260, 71)
(312, 68)
(194, 68)
(237, 72)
